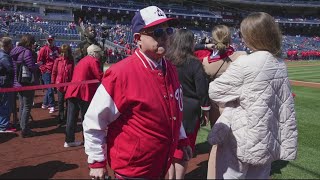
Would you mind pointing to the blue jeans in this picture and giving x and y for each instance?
(48, 99)
(5, 110)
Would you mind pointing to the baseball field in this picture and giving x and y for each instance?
(44, 156)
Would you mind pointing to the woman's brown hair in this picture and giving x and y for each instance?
(181, 47)
(65, 50)
(27, 41)
(260, 32)
(221, 37)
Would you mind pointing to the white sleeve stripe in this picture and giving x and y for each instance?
(101, 112)
(141, 59)
(205, 108)
(183, 134)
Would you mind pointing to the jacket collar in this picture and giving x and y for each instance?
(147, 62)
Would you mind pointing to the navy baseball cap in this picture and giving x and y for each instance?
(148, 17)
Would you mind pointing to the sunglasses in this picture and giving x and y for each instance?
(160, 32)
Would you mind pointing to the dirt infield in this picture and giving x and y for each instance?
(305, 84)
(44, 156)
(302, 65)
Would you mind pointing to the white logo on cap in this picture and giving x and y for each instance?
(151, 14)
(160, 12)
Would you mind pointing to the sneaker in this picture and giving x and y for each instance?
(8, 130)
(27, 133)
(51, 110)
(15, 126)
(44, 106)
(72, 144)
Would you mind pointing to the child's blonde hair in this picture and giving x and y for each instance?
(221, 37)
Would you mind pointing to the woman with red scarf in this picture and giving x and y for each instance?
(217, 58)
(61, 73)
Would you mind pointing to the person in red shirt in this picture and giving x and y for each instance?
(47, 55)
(79, 96)
(289, 55)
(61, 73)
(140, 104)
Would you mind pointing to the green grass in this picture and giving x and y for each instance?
(305, 73)
(307, 164)
(296, 63)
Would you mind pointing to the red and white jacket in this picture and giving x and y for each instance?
(141, 108)
(46, 58)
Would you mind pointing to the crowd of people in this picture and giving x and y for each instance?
(294, 47)
(22, 66)
(303, 55)
(142, 115)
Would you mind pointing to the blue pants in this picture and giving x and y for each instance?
(48, 99)
(5, 110)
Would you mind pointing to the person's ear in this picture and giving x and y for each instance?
(137, 37)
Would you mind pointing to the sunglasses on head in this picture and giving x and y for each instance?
(159, 32)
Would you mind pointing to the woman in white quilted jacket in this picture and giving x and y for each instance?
(258, 124)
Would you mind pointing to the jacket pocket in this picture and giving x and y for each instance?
(127, 148)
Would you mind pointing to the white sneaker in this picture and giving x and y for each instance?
(51, 110)
(72, 144)
(44, 106)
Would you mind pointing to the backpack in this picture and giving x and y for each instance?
(24, 75)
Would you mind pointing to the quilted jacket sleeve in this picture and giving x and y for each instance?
(221, 129)
(228, 86)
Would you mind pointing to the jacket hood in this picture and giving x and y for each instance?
(16, 51)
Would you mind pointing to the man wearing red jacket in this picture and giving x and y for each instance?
(47, 55)
(139, 103)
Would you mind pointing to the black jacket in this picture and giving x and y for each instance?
(195, 92)
(199, 47)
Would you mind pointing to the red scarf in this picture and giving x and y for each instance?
(229, 51)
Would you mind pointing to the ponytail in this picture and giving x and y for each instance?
(220, 47)
(221, 35)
